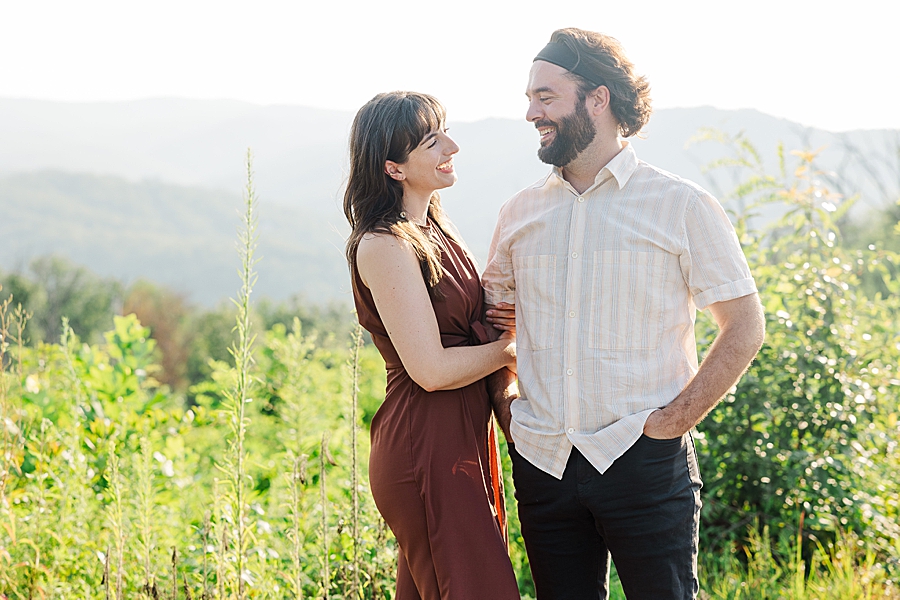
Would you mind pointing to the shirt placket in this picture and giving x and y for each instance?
(573, 314)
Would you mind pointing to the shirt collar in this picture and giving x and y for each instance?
(621, 167)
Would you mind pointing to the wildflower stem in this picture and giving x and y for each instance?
(298, 478)
(239, 396)
(326, 575)
(354, 459)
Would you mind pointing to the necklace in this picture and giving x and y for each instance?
(403, 215)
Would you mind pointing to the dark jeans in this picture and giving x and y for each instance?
(644, 511)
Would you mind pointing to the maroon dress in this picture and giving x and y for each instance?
(433, 468)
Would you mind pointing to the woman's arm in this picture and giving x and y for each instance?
(390, 269)
(502, 385)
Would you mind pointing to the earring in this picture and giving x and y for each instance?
(403, 214)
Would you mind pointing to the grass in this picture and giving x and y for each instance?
(111, 486)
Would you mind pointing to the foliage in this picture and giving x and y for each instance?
(877, 231)
(52, 288)
(115, 484)
(187, 336)
(810, 431)
(333, 321)
(166, 314)
(841, 570)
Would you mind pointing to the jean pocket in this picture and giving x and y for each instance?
(661, 440)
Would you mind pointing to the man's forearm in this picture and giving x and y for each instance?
(502, 390)
(728, 357)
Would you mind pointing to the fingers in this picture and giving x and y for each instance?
(502, 309)
(503, 324)
(503, 316)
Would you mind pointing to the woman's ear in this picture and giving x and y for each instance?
(393, 170)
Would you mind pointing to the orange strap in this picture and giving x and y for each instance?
(498, 498)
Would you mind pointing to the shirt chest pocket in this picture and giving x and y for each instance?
(535, 300)
(628, 299)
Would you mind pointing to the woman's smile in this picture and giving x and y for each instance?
(446, 167)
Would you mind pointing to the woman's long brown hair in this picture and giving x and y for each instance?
(389, 127)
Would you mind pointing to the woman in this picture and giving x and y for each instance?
(418, 293)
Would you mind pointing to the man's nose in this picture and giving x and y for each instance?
(534, 112)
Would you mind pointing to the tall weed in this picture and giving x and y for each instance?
(112, 482)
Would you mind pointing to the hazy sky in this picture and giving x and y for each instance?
(825, 63)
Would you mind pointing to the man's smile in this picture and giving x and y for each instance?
(546, 133)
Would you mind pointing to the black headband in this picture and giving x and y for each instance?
(562, 56)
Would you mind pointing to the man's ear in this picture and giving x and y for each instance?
(598, 100)
(394, 170)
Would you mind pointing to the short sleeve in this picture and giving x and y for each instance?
(712, 262)
(497, 280)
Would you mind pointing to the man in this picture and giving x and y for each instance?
(607, 260)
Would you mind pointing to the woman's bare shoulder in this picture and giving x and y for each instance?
(375, 244)
(384, 253)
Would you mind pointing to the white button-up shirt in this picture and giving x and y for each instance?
(606, 285)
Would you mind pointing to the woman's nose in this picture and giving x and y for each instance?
(452, 147)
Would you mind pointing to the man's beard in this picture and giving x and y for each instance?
(574, 133)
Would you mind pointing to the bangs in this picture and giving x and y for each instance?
(419, 115)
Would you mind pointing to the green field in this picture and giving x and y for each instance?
(243, 475)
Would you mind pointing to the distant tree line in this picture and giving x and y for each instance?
(187, 336)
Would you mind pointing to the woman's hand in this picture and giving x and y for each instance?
(510, 336)
(503, 317)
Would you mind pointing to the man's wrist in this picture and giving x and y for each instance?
(664, 424)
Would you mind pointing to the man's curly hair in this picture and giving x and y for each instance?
(604, 55)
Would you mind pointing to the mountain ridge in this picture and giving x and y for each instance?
(188, 156)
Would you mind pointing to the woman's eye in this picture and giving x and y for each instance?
(433, 142)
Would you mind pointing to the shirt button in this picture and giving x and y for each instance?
(574, 255)
(572, 313)
(580, 199)
(569, 371)
(571, 430)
